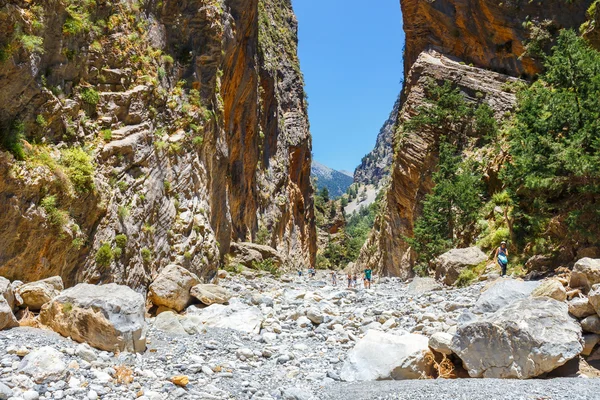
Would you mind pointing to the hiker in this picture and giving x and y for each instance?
(367, 278)
(354, 280)
(333, 278)
(502, 257)
(349, 280)
(299, 273)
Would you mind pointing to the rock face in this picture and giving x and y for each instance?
(35, 294)
(171, 288)
(526, 339)
(585, 274)
(108, 317)
(381, 356)
(376, 165)
(502, 293)
(487, 33)
(449, 265)
(385, 249)
(192, 120)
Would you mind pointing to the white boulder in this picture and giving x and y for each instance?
(237, 316)
(502, 293)
(35, 294)
(43, 364)
(382, 356)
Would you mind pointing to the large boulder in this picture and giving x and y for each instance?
(7, 292)
(449, 265)
(210, 294)
(35, 294)
(7, 318)
(551, 288)
(585, 274)
(441, 342)
(108, 317)
(420, 286)
(501, 293)
(249, 253)
(523, 340)
(171, 288)
(381, 356)
(237, 316)
(43, 364)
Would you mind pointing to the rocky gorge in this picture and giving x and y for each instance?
(157, 214)
(256, 336)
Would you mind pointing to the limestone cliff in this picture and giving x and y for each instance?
(145, 133)
(479, 46)
(386, 249)
(376, 165)
(488, 33)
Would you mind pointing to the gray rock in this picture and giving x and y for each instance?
(420, 286)
(5, 392)
(502, 293)
(169, 322)
(236, 316)
(585, 274)
(315, 315)
(108, 317)
(247, 254)
(43, 364)
(591, 324)
(525, 339)
(450, 264)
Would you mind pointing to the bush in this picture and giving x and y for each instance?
(12, 139)
(32, 44)
(106, 135)
(90, 96)
(104, 255)
(555, 153)
(79, 168)
(146, 255)
(121, 240)
(267, 265)
(56, 216)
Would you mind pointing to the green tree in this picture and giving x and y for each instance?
(324, 194)
(555, 144)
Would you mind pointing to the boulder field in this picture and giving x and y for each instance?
(253, 336)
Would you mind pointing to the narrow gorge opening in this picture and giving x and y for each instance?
(351, 57)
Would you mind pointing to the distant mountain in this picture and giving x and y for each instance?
(376, 165)
(335, 181)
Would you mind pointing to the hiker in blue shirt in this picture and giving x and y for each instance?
(502, 257)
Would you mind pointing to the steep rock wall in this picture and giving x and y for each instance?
(488, 33)
(193, 137)
(376, 165)
(386, 249)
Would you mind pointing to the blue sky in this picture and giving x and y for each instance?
(351, 55)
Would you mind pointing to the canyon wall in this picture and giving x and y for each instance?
(147, 133)
(478, 46)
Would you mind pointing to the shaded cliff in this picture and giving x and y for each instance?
(148, 134)
(487, 33)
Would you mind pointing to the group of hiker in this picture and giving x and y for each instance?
(501, 257)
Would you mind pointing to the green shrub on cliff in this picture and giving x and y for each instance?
(555, 144)
(79, 168)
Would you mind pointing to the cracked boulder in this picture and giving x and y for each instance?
(523, 340)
